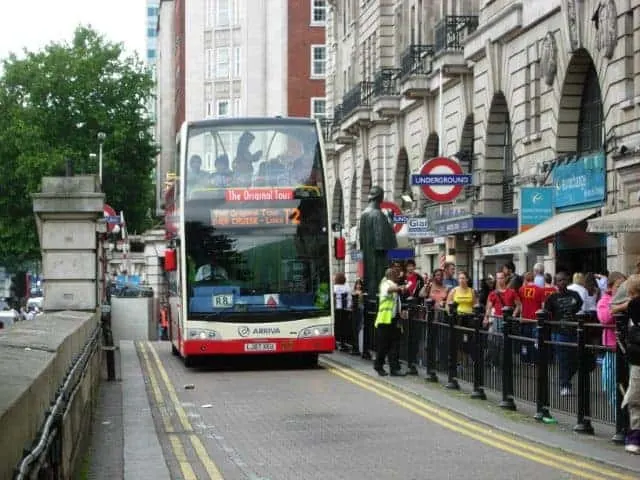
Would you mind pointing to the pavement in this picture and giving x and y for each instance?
(264, 419)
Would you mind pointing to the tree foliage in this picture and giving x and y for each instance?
(53, 103)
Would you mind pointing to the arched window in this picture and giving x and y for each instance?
(507, 185)
(590, 125)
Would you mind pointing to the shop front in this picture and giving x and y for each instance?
(562, 241)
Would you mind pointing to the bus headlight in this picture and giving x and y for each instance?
(202, 334)
(315, 331)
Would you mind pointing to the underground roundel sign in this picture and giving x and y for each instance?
(441, 179)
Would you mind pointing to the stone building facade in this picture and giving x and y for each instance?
(538, 101)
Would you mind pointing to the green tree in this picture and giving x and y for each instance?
(53, 103)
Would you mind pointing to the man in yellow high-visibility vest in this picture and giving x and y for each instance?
(388, 333)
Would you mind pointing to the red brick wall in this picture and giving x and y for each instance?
(301, 36)
(180, 62)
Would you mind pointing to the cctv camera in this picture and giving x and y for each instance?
(623, 150)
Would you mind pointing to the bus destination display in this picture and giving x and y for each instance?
(255, 217)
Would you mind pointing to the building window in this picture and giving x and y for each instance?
(590, 124)
(209, 63)
(224, 13)
(223, 61)
(236, 61)
(151, 53)
(222, 109)
(151, 32)
(152, 11)
(318, 107)
(318, 12)
(318, 60)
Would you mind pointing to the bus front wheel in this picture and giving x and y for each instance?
(188, 361)
(310, 360)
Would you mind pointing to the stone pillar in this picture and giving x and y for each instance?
(67, 210)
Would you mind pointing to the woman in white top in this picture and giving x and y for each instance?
(343, 306)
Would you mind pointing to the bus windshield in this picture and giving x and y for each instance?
(256, 233)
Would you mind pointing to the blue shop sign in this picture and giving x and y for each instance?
(401, 254)
(536, 205)
(580, 181)
(478, 223)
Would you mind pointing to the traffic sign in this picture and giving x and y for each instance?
(441, 179)
(396, 212)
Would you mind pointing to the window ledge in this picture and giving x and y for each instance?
(318, 24)
(629, 103)
(317, 77)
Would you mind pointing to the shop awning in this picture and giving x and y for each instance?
(620, 222)
(520, 243)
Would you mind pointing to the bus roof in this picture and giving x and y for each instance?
(239, 121)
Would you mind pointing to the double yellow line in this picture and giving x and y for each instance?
(516, 446)
(186, 429)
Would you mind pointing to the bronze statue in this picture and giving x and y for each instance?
(376, 239)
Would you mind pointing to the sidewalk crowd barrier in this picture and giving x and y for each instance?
(559, 366)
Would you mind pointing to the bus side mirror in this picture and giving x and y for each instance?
(340, 248)
(170, 260)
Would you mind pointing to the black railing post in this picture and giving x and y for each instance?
(507, 361)
(583, 424)
(430, 342)
(622, 377)
(371, 309)
(452, 355)
(542, 370)
(478, 355)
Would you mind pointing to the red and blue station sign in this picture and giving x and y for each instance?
(441, 179)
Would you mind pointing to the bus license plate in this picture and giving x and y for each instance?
(222, 301)
(260, 347)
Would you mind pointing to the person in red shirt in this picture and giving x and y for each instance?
(549, 287)
(501, 297)
(532, 297)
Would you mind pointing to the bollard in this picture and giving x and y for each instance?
(430, 343)
(507, 361)
(542, 370)
(452, 357)
(622, 378)
(478, 355)
(583, 424)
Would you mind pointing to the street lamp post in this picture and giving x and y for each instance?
(101, 137)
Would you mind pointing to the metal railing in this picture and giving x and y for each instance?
(552, 365)
(417, 60)
(327, 129)
(358, 96)
(385, 82)
(507, 195)
(451, 31)
(44, 459)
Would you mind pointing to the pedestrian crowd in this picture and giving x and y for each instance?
(597, 296)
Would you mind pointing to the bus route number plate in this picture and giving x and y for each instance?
(223, 301)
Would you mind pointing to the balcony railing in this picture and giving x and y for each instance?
(416, 60)
(451, 31)
(337, 117)
(358, 96)
(327, 129)
(386, 82)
